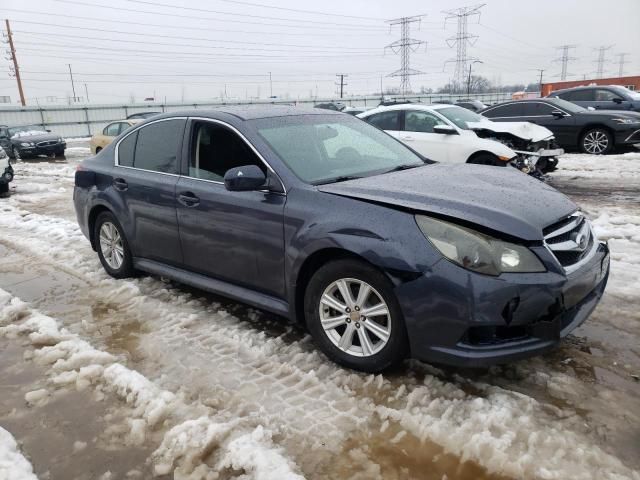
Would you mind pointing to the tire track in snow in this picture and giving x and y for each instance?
(186, 333)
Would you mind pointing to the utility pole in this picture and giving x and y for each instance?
(16, 69)
(270, 86)
(404, 47)
(86, 92)
(341, 84)
(541, 70)
(621, 63)
(469, 80)
(602, 52)
(73, 87)
(461, 39)
(565, 59)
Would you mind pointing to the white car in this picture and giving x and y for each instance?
(451, 134)
(6, 173)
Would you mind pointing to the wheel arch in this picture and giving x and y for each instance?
(91, 222)
(592, 126)
(481, 153)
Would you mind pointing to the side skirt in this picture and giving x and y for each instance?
(225, 289)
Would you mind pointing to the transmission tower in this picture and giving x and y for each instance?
(565, 59)
(602, 53)
(621, 62)
(461, 39)
(404, 47)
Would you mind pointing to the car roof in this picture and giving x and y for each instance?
(249, 112)
(585, 87)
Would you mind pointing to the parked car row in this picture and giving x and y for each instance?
(381, 253)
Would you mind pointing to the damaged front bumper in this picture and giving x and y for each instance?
(537, 162)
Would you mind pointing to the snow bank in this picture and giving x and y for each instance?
(13, 466)
(625, 165)
(186, 447)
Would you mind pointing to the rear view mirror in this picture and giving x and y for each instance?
(445, 130)
(243, 179)
(557, 113)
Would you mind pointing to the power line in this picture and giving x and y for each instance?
(462, 39)
(602, 51)
(404, 47)
(565, 59)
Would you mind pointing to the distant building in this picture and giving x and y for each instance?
(632, 83)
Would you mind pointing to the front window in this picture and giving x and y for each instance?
(327, 148)
(628, 93)
(26, 131)
(461, 117)
(418, 121)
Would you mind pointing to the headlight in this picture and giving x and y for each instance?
(476, 251)
(626, 120)
(26, 144)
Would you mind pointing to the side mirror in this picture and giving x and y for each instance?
(445, 130)
(244, 179)
(557, 113)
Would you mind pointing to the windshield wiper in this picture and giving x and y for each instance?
(342, 178)
(404, 167)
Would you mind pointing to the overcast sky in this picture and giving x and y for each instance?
(195, 49)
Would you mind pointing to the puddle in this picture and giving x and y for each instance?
(75, 445)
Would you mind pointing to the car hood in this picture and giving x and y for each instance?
(499, 198)
(44, 137)
(524, 130)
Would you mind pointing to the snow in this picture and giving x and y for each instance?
(29, 133)
(13, 465)
(626, 165)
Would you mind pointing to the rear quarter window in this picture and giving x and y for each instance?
(126, 150)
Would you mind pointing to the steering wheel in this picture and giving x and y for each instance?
(348, 154)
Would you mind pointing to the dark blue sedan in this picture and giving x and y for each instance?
(325, 219)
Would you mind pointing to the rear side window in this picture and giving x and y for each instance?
(126, 150)
(385, 120)
(579, 96)
(509, 110)
(157, 146)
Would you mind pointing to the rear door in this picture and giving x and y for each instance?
(233, 236)
(144, 179)
(584, 97)
(389, 121)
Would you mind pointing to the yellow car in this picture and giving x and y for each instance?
(111, 131)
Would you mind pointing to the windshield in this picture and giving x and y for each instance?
(328, 148)
(26, 131)
(460, 116)
(628, 93)
(568, 106)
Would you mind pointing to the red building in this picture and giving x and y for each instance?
(632, 83)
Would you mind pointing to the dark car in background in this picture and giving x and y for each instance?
(142, 115)
(31, 141)
(473, 105)
(612, 97)
(379, 252)
(575, 127)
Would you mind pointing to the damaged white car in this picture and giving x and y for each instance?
(452, 134)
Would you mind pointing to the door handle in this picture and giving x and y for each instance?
(409, 139)
(188, 199)
(120, 184)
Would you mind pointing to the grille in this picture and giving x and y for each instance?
(571, 240)
(47, 143)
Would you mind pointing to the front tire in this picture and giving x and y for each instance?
(354, 317)
(486, 159)
(596, 141)
(112, 246)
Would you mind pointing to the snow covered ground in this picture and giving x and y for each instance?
(182, 384)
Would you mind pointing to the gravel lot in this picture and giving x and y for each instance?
(129, 379)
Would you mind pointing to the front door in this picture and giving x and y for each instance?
(418, 134)
(233, 236)
(144, 180)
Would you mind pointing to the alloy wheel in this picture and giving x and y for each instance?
(596, 142)
(355, 317)
(111, 245)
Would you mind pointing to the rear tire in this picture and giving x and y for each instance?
(339, 326)
(112, 246)
(596, 141)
